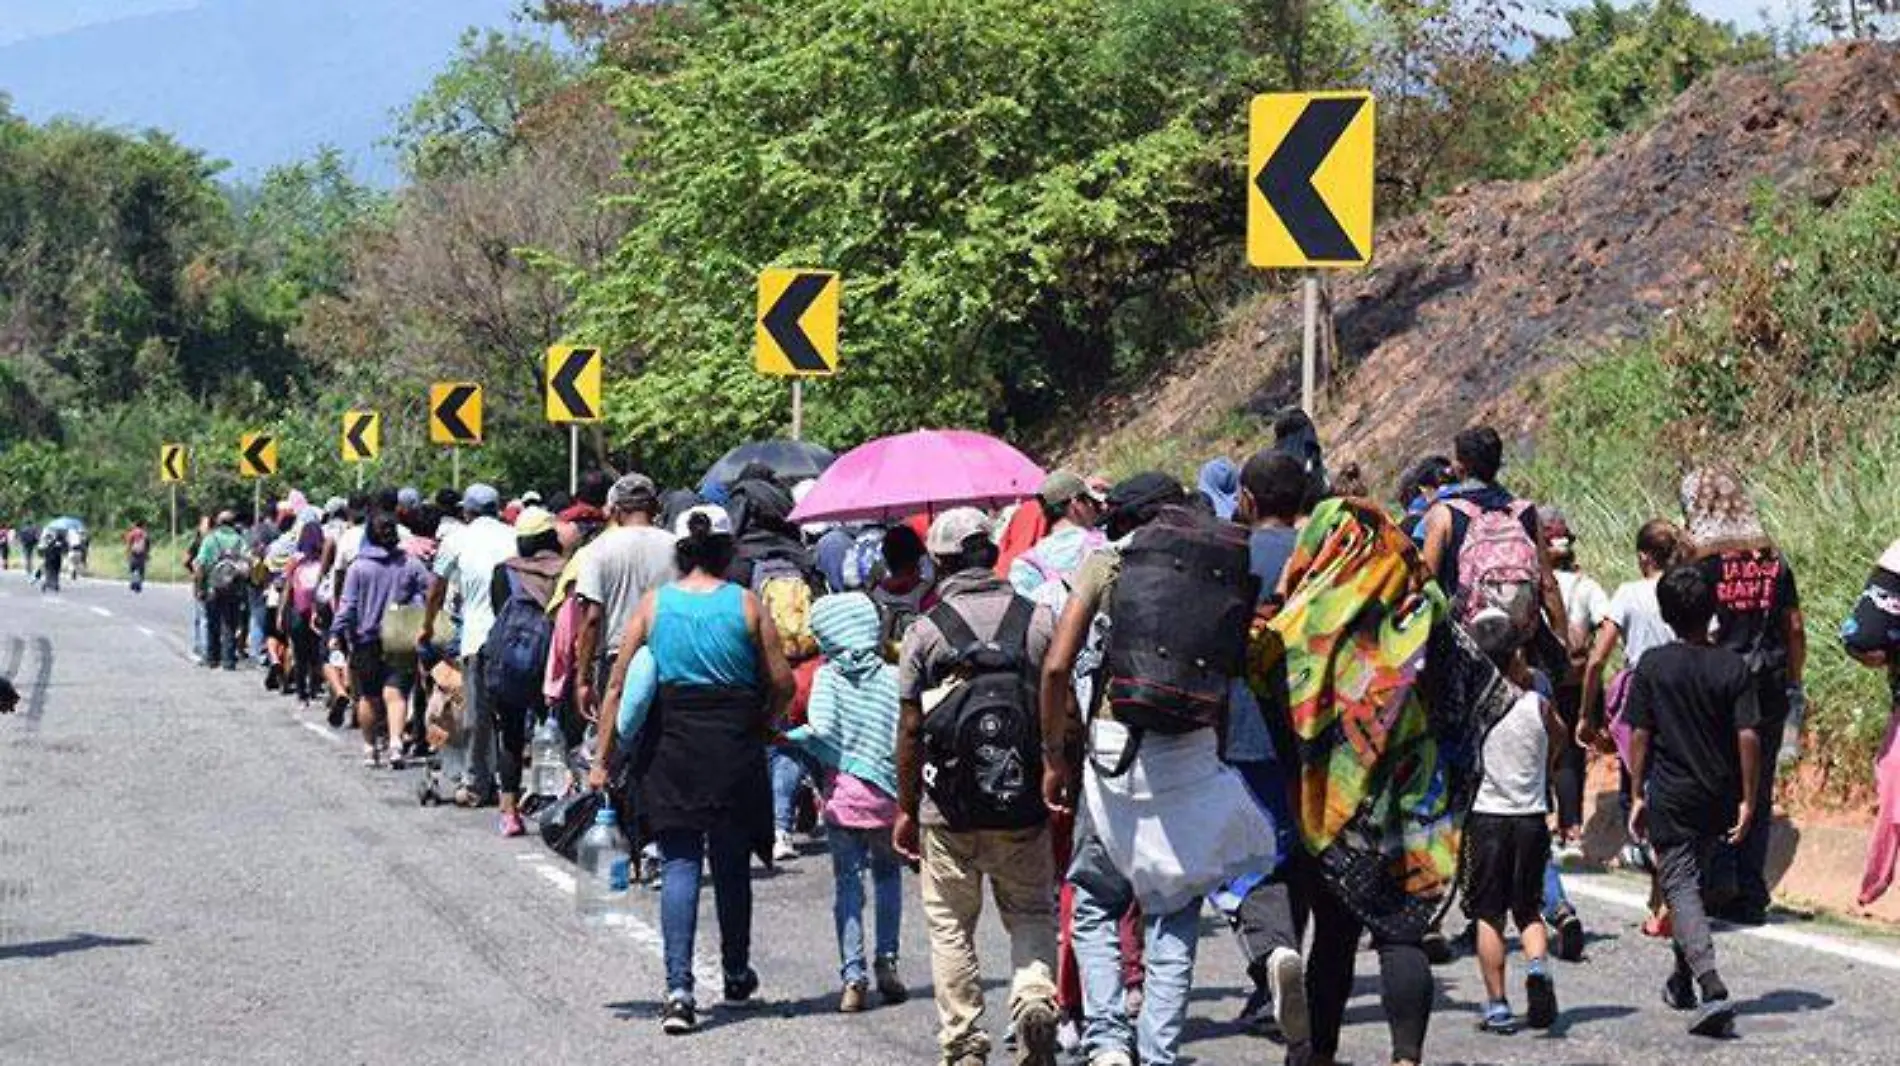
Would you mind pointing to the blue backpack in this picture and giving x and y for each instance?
(515, 659)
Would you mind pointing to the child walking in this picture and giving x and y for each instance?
(851, 729)
(1695, 759)
(1507, 838)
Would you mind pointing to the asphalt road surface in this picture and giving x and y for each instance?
(192, 871)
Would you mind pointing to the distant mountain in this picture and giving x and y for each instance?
(252, 82)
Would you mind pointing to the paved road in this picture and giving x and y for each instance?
(194, 872)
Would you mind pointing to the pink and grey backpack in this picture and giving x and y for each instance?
(1498, 565)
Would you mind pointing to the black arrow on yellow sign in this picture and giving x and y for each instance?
(171, 462)
(260, 455)
(566, 384)
(782, 323)
(355, 435)
(1287, 179)
(449, 415)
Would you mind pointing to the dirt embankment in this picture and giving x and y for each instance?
(1498, 284)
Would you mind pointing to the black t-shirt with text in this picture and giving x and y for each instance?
(1754, 591)
(1693, 699)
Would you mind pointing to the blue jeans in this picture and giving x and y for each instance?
(787, 771)
(1102, 896)
(260, 615)
(1554, 898)
(198, 628)
(852, 852)
(682, 853)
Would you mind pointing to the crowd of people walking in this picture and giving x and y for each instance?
(1112, 706)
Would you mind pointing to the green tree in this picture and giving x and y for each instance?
(1020, 194)
(471, 115)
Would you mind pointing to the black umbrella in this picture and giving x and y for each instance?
(790, 461)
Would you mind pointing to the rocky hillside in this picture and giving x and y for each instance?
(1496, 285)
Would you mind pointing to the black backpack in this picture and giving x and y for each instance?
(1178, 618)
(229, 572)
(983, 743)
(895, 615)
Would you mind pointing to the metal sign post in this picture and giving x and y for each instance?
(1309, 343)
(798, 408)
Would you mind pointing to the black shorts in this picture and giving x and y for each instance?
(371, 672)
(1505, 856)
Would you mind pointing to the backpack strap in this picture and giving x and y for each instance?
(956, 631)
(1012, 634)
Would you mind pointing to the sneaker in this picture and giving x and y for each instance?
(1498, 1020)
(741, 989)
(782, 849)
(1715, 1019)
(339, 706)
(1036, 1035)
(1286, 977)
(511, 825)
(1069, 1036)
(1567, 931)
(890, 987)
(1112, 1058)
(1679, 992)
(372, 756)
(678, 1017)
(1540, 994)
(855, 998)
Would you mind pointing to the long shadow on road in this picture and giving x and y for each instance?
(67, 945)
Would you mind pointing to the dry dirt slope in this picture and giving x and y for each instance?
(1498, 284)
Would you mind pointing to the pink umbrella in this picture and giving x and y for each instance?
(931, 470)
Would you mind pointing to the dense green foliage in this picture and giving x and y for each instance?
(1029, 201)
(1790, 372)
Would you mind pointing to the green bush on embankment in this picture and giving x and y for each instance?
(1791, 371)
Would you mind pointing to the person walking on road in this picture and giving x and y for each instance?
(138, 549)
(381, 577)
(52, 558)
(851, 731)
(1695, 755)
(986, 821)
(29, 537)
(517, 650)
(614, 572)
(700, 760)
(1872, 636)
(224, 574)
(1585, 607)
(465, 563)
(1507, 838)
(1161, 820)
(1757, 616)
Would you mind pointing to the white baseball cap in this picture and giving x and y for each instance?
(954, 528)
(715, 514)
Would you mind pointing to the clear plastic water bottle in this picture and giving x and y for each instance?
(548, 754)
(601, 892)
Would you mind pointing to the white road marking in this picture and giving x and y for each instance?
(322, 732)
(102, 612)
(1593, 888)
(706, 970)
(147, 631)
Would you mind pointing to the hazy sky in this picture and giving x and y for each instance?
(21, 19)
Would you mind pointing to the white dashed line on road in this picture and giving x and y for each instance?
(322, 731)
(102, 612)
(706, 971)
(1594, 889)
(148, 632)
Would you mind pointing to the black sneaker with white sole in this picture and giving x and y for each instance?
(678, 1017)
(1567, 931)
(1679, 992)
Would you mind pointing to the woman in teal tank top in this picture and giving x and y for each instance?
(699, 763)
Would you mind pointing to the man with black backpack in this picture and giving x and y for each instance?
(224, 584)
(516, 654)
(969, 759)
(1161, 820)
